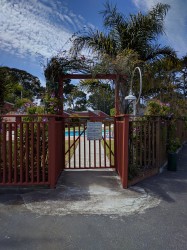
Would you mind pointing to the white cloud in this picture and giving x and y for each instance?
(175, 22)
(32, 27)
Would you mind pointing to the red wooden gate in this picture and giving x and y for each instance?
(82, 153)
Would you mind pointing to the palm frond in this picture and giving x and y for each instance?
(95, 41)
(159, 52)
(157, 15)
(111, 17)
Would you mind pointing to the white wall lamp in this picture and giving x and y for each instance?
(132, 98)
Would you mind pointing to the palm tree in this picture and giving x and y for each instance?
(137, 33)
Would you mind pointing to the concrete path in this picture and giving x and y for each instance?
(89, 192)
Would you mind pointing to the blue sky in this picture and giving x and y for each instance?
(32, 31)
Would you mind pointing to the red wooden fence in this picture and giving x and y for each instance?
(31, 150)
(24, 154)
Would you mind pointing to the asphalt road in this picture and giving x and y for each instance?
(162, 227)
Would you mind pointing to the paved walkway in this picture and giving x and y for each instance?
(88, 156)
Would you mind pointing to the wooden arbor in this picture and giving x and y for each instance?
(121, 126)
(113, 77)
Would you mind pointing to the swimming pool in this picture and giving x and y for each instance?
(77, 133)
(71, 133)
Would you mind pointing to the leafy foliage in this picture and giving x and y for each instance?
(155, 107)
(137, 32)
(17, 84)
(128, 42)
(101, 95)
(76, 100)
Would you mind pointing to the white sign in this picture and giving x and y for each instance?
(94, 130)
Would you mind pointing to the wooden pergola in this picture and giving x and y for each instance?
(113, 77)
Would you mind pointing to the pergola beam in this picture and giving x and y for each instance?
(114, 77)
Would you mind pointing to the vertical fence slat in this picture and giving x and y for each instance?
(1, 160)
(15, 151)
(85, 157)
(43, 151)
(104, 144)
(4, 152)
(69, 144)
(110, 154)
(89, 142)
(141, 145)
(100, 153)
(94, 153)
(38, 153)
(32, 152)
(74, 148)
(10, 153)
(21, 152)
(27, 152)
(79, 147)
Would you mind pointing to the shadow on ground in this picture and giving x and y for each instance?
(168, 183)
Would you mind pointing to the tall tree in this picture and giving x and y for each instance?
(76, 99)
(100, 94)
(5, 86)
(17, 84)
(183, 77)
(137, 33)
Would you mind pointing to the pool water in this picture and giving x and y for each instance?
(71, 133)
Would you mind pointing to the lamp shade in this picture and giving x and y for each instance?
(130, 97)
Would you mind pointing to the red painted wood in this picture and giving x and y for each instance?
(121, 144)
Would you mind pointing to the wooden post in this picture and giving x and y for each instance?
(18, 119)
(122, 148)
(52, 148)
(125, 156)
(115, 144)
(56, 150)
(63, 143)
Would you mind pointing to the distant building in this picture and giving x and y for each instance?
(8, 107)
